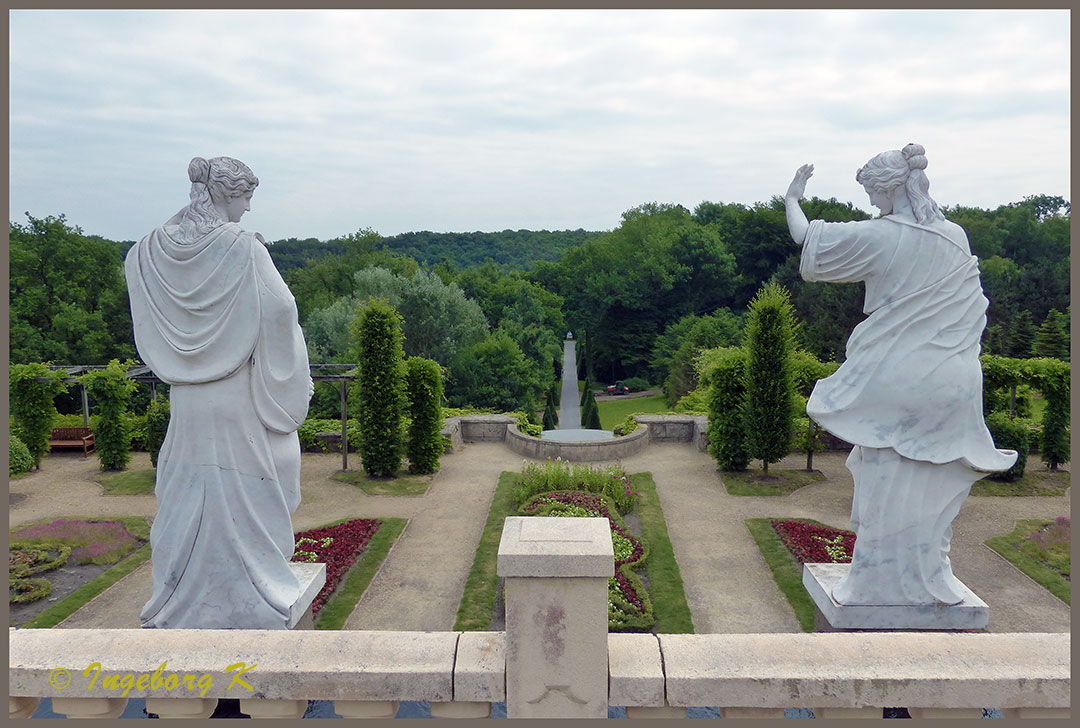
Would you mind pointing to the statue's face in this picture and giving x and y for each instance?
(237, 206)
(880, 200)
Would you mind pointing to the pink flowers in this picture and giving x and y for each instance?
(91, 541)
(812, 543)
(338, 547)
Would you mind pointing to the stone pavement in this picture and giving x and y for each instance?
(728, 586)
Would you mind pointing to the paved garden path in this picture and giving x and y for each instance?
(728, 585)
(569, 409)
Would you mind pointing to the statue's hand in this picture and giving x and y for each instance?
(310, 388)
(798, 185)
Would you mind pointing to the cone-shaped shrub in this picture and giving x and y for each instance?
(727, 421)
(769, 387)
(110, 389)
(423, 382)
(377, 347)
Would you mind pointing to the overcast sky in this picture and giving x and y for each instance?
(488, 120)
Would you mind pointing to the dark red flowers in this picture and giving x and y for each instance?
(338, 547)
(813, 543)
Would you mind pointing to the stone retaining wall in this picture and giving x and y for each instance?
(677, 428)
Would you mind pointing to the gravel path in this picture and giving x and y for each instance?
(569, 409)
(728, 585)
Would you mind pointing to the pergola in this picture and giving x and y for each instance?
(341, 373)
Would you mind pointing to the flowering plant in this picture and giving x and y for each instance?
(814, 543)
(337, 546)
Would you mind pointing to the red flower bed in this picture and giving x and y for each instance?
(812, 543)
(592, 502)
(338, 547)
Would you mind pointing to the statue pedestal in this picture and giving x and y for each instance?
(819, 580)
(312, 577)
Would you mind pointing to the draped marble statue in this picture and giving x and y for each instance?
(909, 394)
(214, 319)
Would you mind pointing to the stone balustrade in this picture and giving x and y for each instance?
(547, 663)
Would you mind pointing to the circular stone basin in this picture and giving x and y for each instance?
(576, 435)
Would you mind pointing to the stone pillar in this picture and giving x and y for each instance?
(556, 572)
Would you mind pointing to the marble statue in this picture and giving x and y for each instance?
(909, 394)
(214, 319)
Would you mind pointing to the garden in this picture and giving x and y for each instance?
(57, 565)
(646, 594)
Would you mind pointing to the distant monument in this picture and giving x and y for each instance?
(908, 397)
(214, 319)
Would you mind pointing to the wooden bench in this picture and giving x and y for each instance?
(72, 437)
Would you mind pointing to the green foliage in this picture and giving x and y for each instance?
(1022, 336)
(550, 421)
(561, 475)
(1009, 434)
(157, 425)
(377, 346)
(1052, 378)
(1040, 549)
(727, 403)
(1050, 338)
(551, 409)
(637, 384)
(590, 413)
(694, 403)
(423, 383)
(67, 294)
(493, 373)
(769, 386)
(312, 426)
(721, 328)
(33, 388)
(19, 458)
(628, 425)
(110, 390)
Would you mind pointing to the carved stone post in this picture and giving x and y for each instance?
(556, 572)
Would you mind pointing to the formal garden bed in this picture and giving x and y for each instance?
(67, 562)
(788, 543)
(352, 549)
(1040, 549)
(646, 593)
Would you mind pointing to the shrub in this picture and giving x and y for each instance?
(136, 425)
(590, 413)
(524, 425)
(377, 346)
(628, 425)
(727, 425)
(549, 422)
(19, 458)
(110, 389)
(1009, 434)
(636, 384)
(423, 381)
(769, 382)
(33, 387)
(157, 425)
(551, 475)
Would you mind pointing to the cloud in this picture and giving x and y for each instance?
(465, 120)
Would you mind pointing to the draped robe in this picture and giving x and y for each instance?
(908, 396)
(214, 319)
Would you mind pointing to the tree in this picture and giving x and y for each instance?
(379, 388)
(67, 294)
(33, 388)
(424, 386)
(157, 426)
(769, 388)
(493, 373)
(111, 389)
(721, 328)
(727, 408)
(1022, 336)
(1050, 338)
(590, 413)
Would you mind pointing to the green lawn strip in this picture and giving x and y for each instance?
(348, 593)
(614, 411)
(478, 600)
(129, 482)
(401, 485)
(1011, 547)
(746, 482)
(670, 609)
(1035, 481)
(786, 569)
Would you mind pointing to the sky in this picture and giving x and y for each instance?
(545, 120)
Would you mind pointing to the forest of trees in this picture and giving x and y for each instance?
(492, 308)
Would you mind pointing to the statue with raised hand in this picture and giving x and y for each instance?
(909, 394)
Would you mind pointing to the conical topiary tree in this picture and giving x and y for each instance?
(380, 386)
(769, 386)
(590, 414)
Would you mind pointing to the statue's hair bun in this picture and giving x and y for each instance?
(915, 156)
(199, 170)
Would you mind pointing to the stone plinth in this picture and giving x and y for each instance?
(819, 580)
(312, 577)
(556, 572)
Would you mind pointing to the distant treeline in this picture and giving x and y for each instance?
(512, 248)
